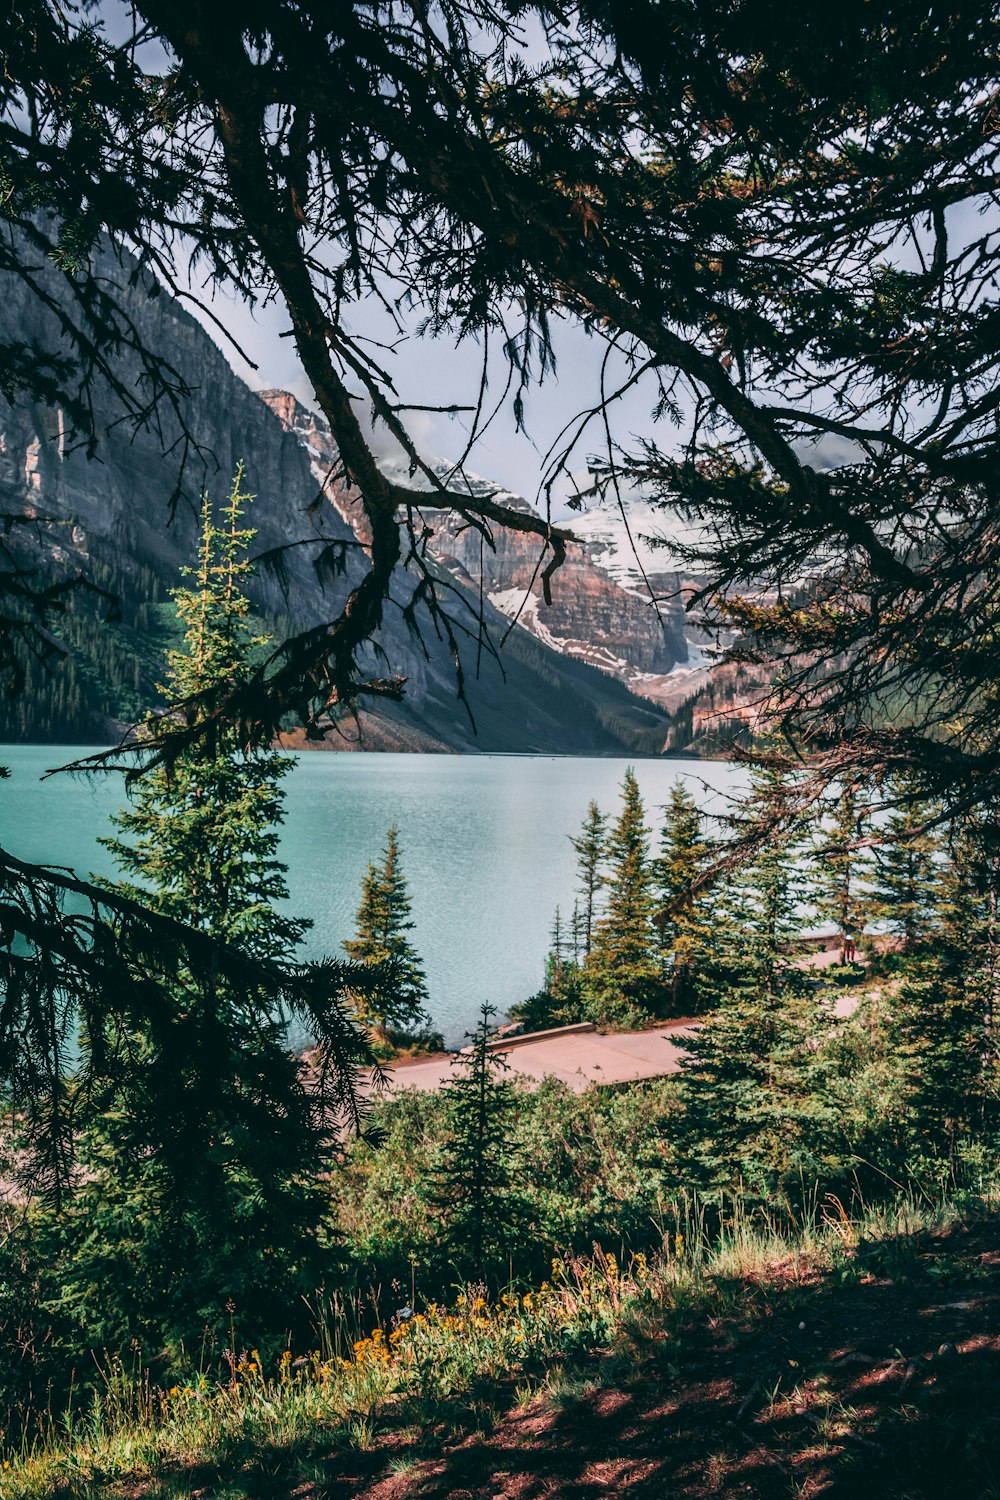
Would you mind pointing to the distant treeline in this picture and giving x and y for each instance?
(98, 659)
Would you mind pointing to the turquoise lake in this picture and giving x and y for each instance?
(484, 840)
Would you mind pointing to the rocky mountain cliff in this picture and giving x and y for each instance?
(616, 606)
(130, 511)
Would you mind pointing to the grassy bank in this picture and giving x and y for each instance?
(820, 1351)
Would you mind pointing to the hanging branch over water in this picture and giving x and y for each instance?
(772, 215)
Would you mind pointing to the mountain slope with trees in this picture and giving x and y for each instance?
(782, 220)
(127, 522)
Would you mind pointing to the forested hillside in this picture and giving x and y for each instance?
(104, 660)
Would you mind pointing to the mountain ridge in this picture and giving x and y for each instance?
(132, 511)
(625, 618)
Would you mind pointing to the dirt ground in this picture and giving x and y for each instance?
(887, 1385)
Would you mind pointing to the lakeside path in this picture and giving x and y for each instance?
(580, 1055)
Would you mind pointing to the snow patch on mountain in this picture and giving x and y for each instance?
(518, 605)
(640, 545)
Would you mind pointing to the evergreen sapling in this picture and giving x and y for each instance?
(381, 937)
(478, 1193)
(622, 972)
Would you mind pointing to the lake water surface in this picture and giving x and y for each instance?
(484, 841)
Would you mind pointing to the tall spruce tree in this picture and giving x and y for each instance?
(201, 835)
(590, 850)
(944, 1014)
(757, 916)
(623, 976)
(381, 928)
(477, 1192)
(757, 1111)
(903, 887)
(683, 916)
(841, 891)
(757, 1115)
(201, 1205)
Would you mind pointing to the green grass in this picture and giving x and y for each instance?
(262, 1431)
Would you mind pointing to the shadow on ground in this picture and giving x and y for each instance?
(885, 1384)
(880, 1380)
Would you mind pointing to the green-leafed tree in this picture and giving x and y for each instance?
(622, 972)
(840, 885)
(561, 999)
(756, 913)
(590, 851)
(683, 916)
(201, 835)
(944, 1015)
(477, 1194)
(381, 927)
(757, 1113)
(563, 979)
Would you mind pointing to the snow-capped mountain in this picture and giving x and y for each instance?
(617, 601)
(131, 514)
(634, 544)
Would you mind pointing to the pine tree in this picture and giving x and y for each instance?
(757, 1114)
(841, 892)
(944, 1012)
(202, 1201)
(622, 970)
(903, 887)
(381, 928)
(201, 836)
(477, 1193)
(756, 913)
(561, 999)
(590, 850)
(683, 917)
(576, 935)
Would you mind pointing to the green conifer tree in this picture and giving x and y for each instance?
(841, 891)
(201, 835)
(622, 971)
(590, 850)
(903, 887)
(757, 913)
(757, 1110)
(381, 928)
(757, 1113)
(561, 1000)
(683, 917)
(576, 936)
(944, 1013)
(563, 979)
(477, 1193)
(201, 1204)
